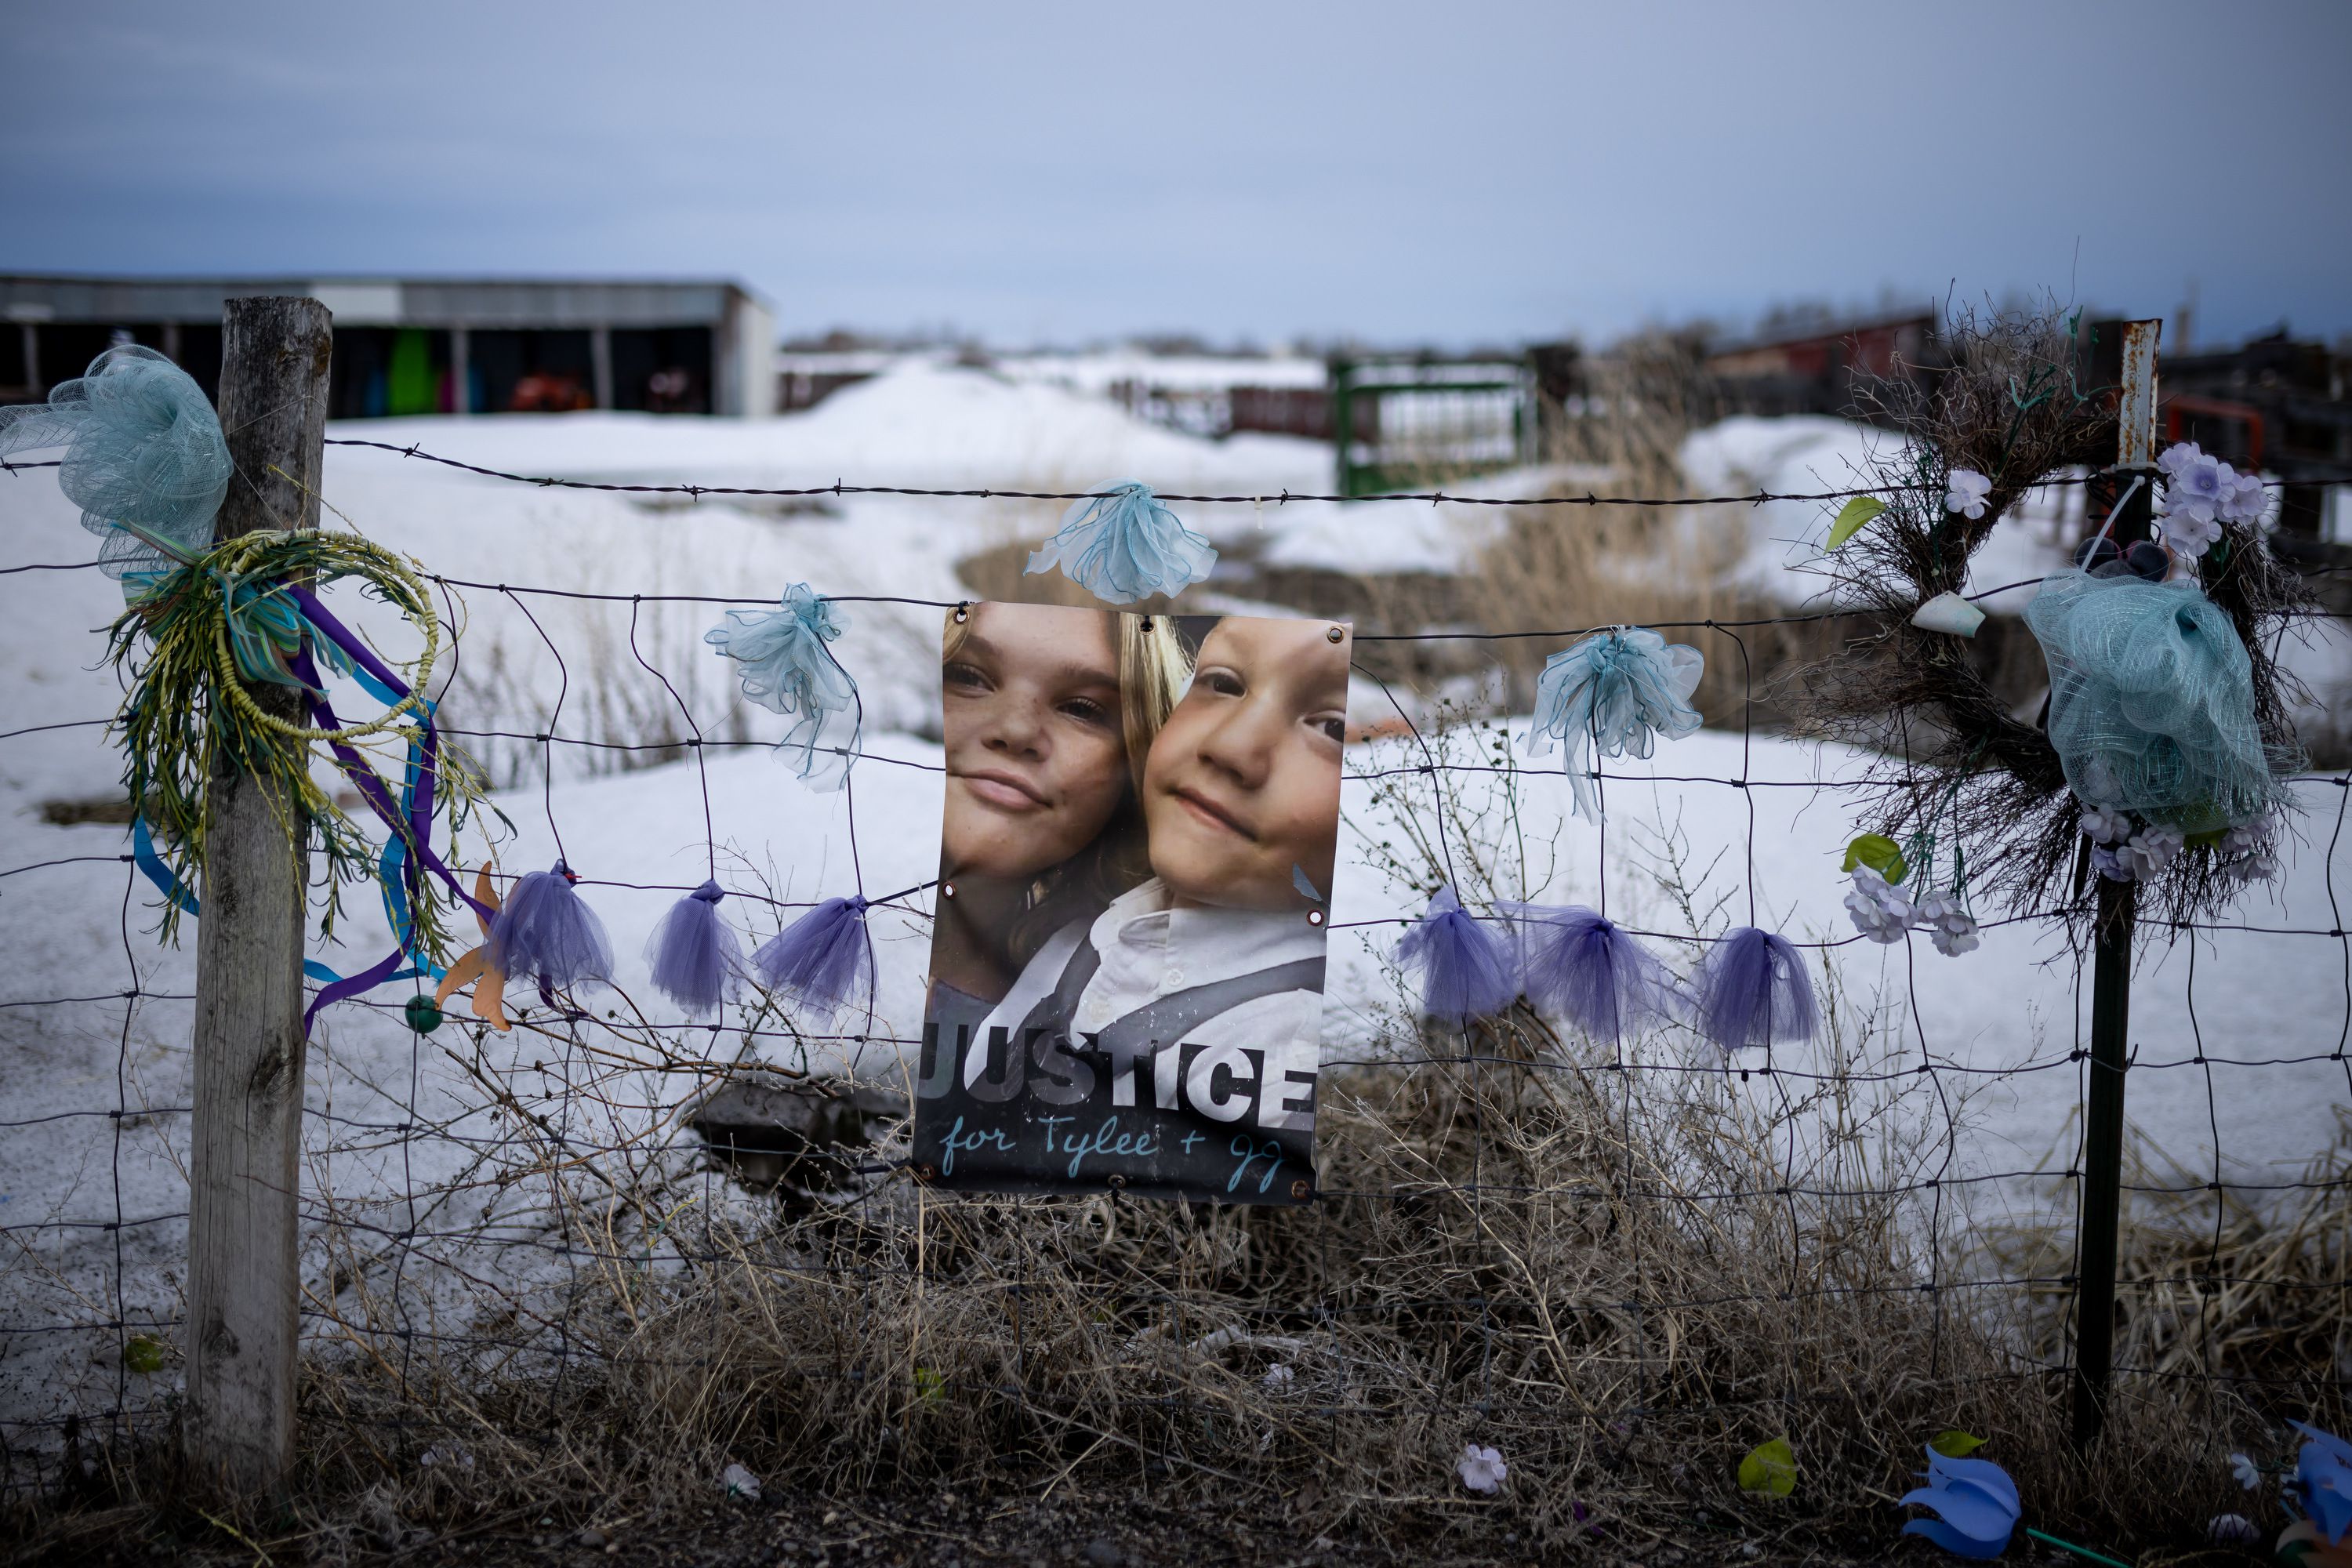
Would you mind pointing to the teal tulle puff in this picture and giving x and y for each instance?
(144, 459)
(1122, 544)
(788, 670)
(2152, 701)
(1614, 693)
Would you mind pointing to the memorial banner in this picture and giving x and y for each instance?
(1136, 860)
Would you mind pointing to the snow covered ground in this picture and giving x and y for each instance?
(73, 921)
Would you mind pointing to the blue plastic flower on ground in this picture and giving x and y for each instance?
(1122, 544)
(788, 670)
(2323, 1481)
(1616, 693)
(1974, 1501)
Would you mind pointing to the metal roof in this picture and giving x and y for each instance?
(487, 303)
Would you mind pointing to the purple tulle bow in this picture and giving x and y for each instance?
(696, 960)
(546, 931)
(1465, 964)
(1753, 990)
(1577, 964)
(821, 959)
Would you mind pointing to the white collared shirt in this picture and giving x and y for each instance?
(1149, 949)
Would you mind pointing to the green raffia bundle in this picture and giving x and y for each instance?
(230, 617)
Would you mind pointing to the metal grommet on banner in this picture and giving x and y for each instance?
(1302, 1189)
(1314, 916)
(963, 613)
(1335, 634)
(1116, 1181)
(926, 1173)
(947, 890)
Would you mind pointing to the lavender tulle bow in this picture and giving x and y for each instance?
(1465, 964)
(1615, 693)
(1577, 964)
(788, 670)
(1122, 544)
(546, 931)
(823, 959)
(698, 962)
(1754, 990)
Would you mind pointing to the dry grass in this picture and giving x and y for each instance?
(1621, 1269)
(2238, 1287)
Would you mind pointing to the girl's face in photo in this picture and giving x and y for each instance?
(1037, 762)
(1242, 787)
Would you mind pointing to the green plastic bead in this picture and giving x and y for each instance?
(423, 1015)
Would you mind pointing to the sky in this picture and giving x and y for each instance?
(1457, 174)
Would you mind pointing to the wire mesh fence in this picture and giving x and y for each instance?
(1603, 1260)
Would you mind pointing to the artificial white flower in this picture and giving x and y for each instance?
(737, 1481)
(1880, 910)
(2249, 1474)
(1278, 1378)
(1964, 492)
(2151, 849)
(1482, 1469)
(1949, 925)
(2104, 825)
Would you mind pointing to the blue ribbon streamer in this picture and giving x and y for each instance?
(144, 856)
(393, 867)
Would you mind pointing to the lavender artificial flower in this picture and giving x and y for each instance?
(1949, 925)
(2110, 863)
(2188, 535)
(1964, 490)
(1482, 1469)
(2151, 850)
(2249, 502)
(1880, 910)
(2104, 825)
(2195, 486)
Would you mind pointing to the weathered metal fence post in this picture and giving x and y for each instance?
(2100, 1217)
(243, 1173)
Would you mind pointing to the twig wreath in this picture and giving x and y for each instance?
(2159, 753)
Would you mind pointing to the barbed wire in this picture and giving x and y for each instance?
(518, 1149)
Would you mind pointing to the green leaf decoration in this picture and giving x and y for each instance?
(1880, 853)
(142, 1353)
(930, 1385)
(1956, 1444)
(1769, 1467)
(1853, 517)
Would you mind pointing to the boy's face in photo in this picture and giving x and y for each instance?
(1036, 761)
(1242, 787)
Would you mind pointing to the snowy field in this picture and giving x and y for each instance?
(75, 922)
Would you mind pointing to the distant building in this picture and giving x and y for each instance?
(427, 345)
(1812, 369)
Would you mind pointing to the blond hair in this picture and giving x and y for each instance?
(1153, 670)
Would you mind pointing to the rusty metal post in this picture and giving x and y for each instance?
(2100, 1217)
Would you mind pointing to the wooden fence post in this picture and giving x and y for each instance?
(2100, 1219)
(244, 1175)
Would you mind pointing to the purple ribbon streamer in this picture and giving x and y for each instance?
(416, 827)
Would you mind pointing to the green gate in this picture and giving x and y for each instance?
(1412, 424)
